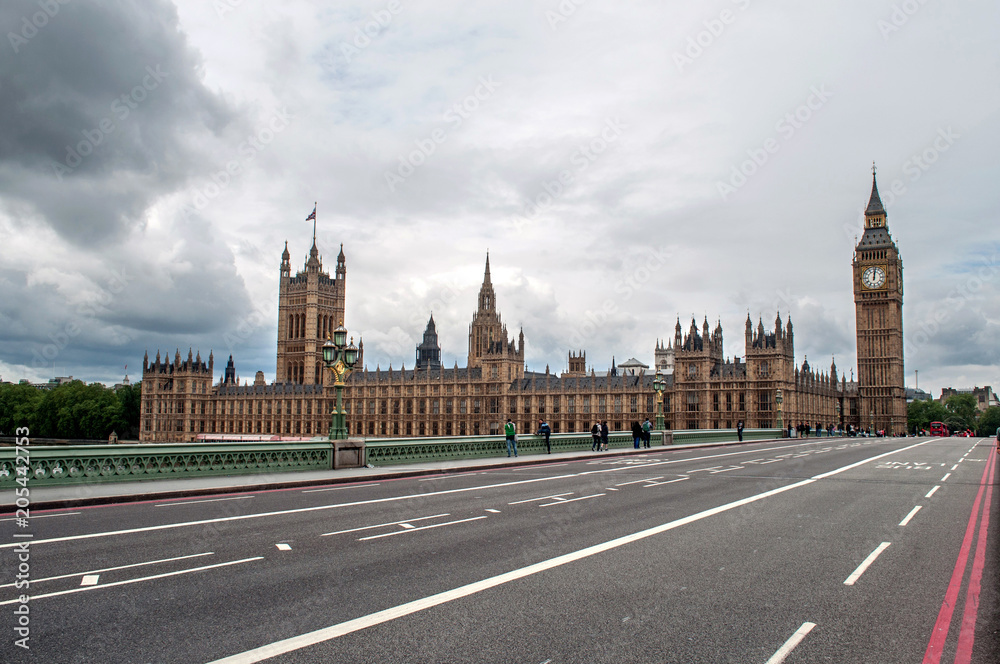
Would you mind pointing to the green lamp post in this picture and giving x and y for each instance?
(659, 385)
(778, 399)
(340, 358)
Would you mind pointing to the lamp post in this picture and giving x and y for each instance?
(836, 405)
(871, 416)
(778, 399)
(339, 358)
(659, 384)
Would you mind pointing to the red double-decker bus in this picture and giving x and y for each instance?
(939, 429)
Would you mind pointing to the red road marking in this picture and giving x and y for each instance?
(940, 633)
(968, 633)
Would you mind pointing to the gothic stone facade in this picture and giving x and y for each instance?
(705, 390)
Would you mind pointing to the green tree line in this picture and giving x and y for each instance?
(71, 410)
(959, 412)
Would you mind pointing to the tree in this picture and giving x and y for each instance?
(17, 408)
(920, 414)
(963, 410)
(130, 397)
(989, 421)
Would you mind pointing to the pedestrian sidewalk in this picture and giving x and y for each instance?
(81, 495)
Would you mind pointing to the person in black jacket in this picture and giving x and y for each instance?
(636, 435)
(545, 430)
(595, 432)
(604, 435)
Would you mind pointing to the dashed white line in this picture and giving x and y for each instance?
(90, 580)
(339, 488)
(931, 492)
(790, 644)
(112, 569)
(650, 479)
(856, 574)
(282, 546)
(43, 516)
(490, 509)
(207, 500)
(571, 500)
(679, 479)
(533, 500)
(726, 470)
(909, 516)
(382, 525)
(946, 476)
(954, 467)
(144, 578)
(413, 530)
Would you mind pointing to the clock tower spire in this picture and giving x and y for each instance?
(878, 300)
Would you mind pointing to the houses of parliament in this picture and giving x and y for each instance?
(181, 401)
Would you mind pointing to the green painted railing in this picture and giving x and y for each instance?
(104, 463)
(393, 451)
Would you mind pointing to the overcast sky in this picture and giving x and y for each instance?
(624, 163)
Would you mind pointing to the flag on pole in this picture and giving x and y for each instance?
(312, 215)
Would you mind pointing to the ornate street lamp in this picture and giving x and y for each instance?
(871, 415)
(339, 358)
(778, 399)
(840, 424)
(659, 384)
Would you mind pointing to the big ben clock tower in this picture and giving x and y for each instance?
(878, 300)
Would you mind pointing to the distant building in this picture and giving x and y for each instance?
(985, 396)
(917, 394)
(632, 367)
(52, 383)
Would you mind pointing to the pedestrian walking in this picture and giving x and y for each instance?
(739, 430)
(636, 435)
(510, 431)
(595, 432)
(604, 435)
(647, 427)
(545, 430)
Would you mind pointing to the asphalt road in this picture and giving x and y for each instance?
(828, 550)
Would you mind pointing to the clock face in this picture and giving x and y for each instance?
(873, 277)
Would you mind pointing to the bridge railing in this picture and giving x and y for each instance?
(84, 464)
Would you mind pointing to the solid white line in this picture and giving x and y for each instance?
(679, 479)
(379, 617)
(796, 638)
(413, 530)
(909, 516)
(42, 516)
(856, 574)
(112, 569)
(316, 508)
(571, 500)
(381, 525)
(145, 578)
(339, 488)
(931, 492)
(534, 500)
(861, 463)
(651, 479)
(209, 500)
(946, 476)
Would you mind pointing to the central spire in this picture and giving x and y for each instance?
(487, 297)
(874, 202)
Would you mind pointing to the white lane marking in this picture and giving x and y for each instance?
(961, 460)
(128, 581)
(382, 525)
(794, 640)
(726, 470)
(443, 476)
(764, 463)
(390, 499)
(413, 530)
(954, 467)
(856, 574)
(112, 569)
(931, 492)
(42, 516)
(650, 479)
(407, 526)
(679, 479)
(823, 476)
(698, 470)
(339, 488)
(571, 500)
(283, 547)
(386, 615)
(490, 509)
(946, 476)
(209, 500)
(909, 516)
(533, 500)
(90, 580)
